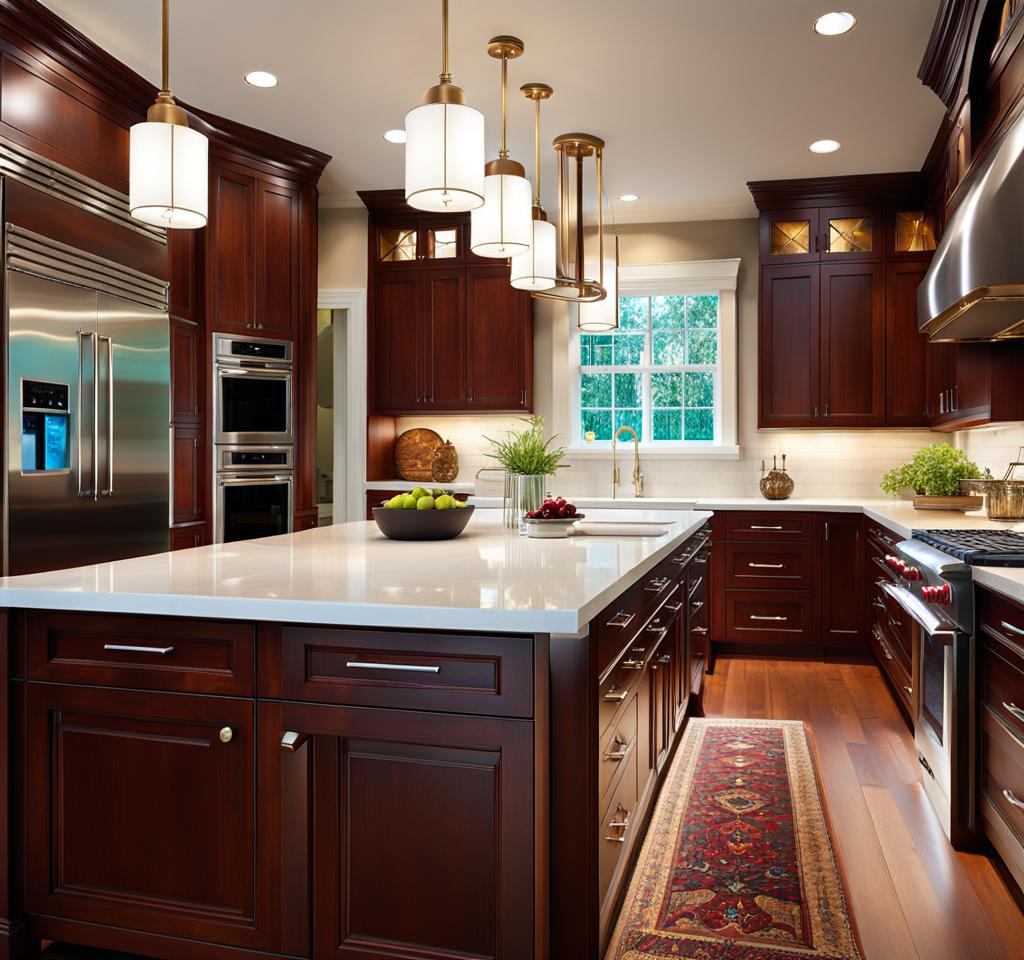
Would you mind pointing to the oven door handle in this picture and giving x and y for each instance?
(936, 629)
(253, 481)
(262, 372)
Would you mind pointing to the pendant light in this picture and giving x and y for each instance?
(444, 146)
(167, 170)
(502, 227)
(581, 264)
(535, 269)
(602, 316)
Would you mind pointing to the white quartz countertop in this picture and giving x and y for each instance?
(487, 579)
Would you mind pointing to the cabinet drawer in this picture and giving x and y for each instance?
(892, 664)
(616, 830)
(1002, 682)
(1002, 771)
(452, 673)
(145, 653)
(777, 525)
(1002, 619)
(895, 623)
(617, 747)
(881, 538)
(618, 686)
(769, 617)
(781, 566)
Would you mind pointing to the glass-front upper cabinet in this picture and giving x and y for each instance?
(421, 244)
(849, 233)
(789, 236)
(914, 232)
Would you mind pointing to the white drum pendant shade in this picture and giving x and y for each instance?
(168, 178)
(444, 157)
(601, 316)
(502, 226)
(535, 269)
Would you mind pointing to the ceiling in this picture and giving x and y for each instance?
(694, 97)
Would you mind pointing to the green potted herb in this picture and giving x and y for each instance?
(933, 477)
(528, 461)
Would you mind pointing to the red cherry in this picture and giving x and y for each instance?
(570, 510)
(562, 513)
(531, 514)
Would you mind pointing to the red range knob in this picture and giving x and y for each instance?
(928, 594)
(911, 573)
(944, 595)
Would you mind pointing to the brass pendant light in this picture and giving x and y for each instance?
(582, 266)
(536, 269)
(168, 160)
(502, 227)
(444, 146)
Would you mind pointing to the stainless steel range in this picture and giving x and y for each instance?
(932, 583)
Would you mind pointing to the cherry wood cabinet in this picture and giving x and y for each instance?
(971, 384)
(842, 579)
(277, 259)
(188, 535)
(447, 332)
(188, 474)
(231, 235)
(841, 260)
(852, 332)
(185, 271)
(187, 373)
(117, 781)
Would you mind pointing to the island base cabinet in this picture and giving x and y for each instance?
(142, 814)
(424, 834)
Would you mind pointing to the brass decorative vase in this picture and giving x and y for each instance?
(776, 484)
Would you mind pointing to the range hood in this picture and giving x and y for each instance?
(974, 289)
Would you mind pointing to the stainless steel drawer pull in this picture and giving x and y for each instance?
(882, 643)
(621, 619)
(910, 690)
(632, 664)
(292, 742)
(408, 667)
(1014, 709)
(616, 696)
(657, 584)
(673, 607)
(131, 648)
(767, 566)
(755, 616)
(699, 631)
(1019, 804)
(695, 606)
(660, 630)
(621, 752)
(665, 658)
(1011, 628)
(754, 526)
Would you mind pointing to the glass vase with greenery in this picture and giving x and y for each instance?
(528, 461)
(934, 471)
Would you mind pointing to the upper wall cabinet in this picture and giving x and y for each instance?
(841, 260)
(447, 332)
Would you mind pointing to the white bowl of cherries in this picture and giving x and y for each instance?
(555, 518)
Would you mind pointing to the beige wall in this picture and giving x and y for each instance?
(342, 249)
(994, 447)
(823, 463)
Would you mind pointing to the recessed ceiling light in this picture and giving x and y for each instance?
(261, 78)
(394, 136)
(629, 197)
(825, 146)
(834, 24)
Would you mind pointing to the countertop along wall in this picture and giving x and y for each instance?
(847, 463)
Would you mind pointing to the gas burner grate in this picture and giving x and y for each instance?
(995, 548)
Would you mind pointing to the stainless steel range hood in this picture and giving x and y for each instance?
(974, 289)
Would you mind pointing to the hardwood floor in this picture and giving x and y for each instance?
(913, 895)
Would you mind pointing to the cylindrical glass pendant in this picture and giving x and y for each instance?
(444, 157)
(535, 269)
(501, 228)
(167, 178)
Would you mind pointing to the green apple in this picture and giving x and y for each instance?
(444, 502)
(418, 492)
(425, 503)
(408, 501)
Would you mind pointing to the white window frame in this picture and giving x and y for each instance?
(693, 278)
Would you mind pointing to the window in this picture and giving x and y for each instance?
(658, 372)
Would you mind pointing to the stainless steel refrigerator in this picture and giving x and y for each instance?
(88, 407)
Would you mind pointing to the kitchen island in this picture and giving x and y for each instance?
(332, 745)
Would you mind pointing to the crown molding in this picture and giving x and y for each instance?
(870, 188)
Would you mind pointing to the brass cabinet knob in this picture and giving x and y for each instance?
(226, 734)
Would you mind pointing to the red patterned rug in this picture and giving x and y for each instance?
(737, 863)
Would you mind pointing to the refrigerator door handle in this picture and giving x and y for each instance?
(82, 336)
(96, 419)
(108, 491)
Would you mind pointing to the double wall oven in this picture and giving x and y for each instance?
(254, 438)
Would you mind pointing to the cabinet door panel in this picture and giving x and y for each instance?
(277, 260)
(842, 588)
(186, 373)
(188, 494)
(231, 250)
(396, 305)
(788, 345)
(789, 236)
(140, 817)
(852, 344)
(906, 350)
(443, 344)
(185, 288)
(851, 233)
(425, 834)
(499, 338)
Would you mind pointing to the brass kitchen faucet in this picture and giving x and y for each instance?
(638, 477)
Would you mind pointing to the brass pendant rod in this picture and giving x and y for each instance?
(536, 150)
(446, 76)
(503, 152)
(166, 69)
(598, 156)
(580, 251)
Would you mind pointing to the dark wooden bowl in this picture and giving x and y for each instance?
(422, 524)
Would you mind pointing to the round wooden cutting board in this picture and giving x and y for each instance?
(414, 454)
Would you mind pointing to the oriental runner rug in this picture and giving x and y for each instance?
(738, 863)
